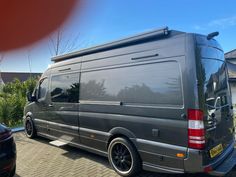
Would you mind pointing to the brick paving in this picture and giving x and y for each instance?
(36, 158)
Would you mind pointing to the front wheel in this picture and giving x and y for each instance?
(30, 131)
(123, 157)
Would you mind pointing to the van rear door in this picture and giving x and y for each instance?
(215, 99)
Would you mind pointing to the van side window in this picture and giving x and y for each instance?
(65, 88)
(43, 87)
(149, 84)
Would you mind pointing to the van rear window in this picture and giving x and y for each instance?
(148, 84)
(215, 83)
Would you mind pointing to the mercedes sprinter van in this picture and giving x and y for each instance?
(158, 101)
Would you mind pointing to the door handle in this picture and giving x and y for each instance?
(50, 105)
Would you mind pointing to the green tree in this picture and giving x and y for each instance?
(13, 100)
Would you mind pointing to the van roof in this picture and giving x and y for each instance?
(140, 38)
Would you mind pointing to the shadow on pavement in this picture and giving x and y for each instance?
(76, 153)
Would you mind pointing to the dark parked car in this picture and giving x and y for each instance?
(7, 152)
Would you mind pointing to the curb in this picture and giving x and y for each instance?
(18, 129)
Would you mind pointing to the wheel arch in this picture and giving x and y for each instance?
(28, 114)
(121, 132)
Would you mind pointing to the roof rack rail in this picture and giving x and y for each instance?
(116, 44)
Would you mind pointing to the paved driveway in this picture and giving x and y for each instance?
(36, 158)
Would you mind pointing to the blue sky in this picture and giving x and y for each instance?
(106, 20)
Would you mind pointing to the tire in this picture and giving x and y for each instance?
(30, 130)
(123, 157)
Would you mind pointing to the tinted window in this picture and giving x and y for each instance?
(215, 82)
(43, 88)
(213, 75)
(65, 88)
(156, 83)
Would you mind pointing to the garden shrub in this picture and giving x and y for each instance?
(13, 100)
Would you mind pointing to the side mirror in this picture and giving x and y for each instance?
(30, 97)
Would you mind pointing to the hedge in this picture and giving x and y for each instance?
(13, 100)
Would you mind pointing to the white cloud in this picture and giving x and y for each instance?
(198, 27)
(223, 22)
(218, 23)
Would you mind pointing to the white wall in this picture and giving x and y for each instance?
(233, 91)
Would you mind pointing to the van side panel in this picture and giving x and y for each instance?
(160, 127)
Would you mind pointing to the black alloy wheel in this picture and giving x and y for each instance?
(123, 157)
(29, 128)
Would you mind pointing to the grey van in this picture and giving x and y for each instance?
(158, 101)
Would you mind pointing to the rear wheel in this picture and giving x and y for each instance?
(30, 131)
(123, 157)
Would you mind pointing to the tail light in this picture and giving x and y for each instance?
(196, 131)
(5, 135)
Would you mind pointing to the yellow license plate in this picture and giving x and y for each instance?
(216, 150)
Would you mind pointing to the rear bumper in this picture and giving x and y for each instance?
(193, 163)
(226, 166)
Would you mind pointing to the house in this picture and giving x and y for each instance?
(6, 77)
(231, 65)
